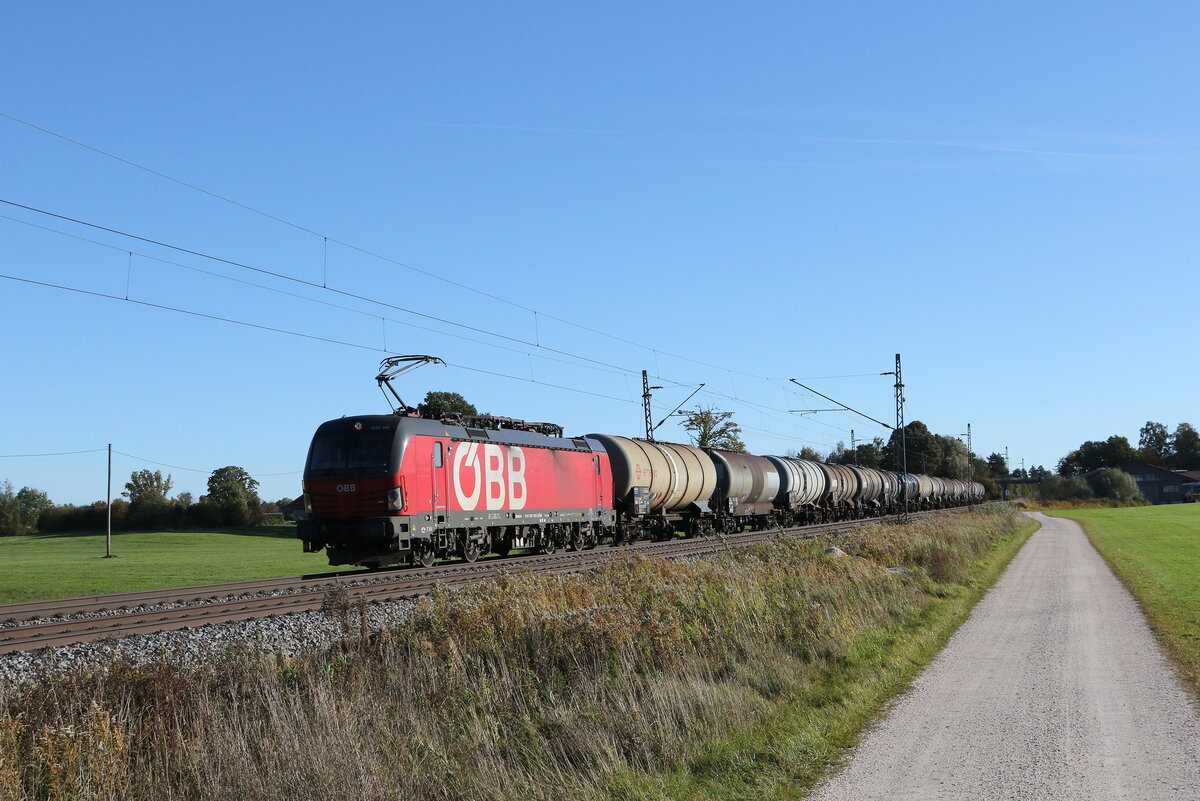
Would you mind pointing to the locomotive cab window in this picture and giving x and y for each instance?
(437, 454)
(364, 450)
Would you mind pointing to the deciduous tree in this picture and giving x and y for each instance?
(1185, 445)
(441, 404)
(145, 486)
(232, 490)
(711, 428)
(19, 511)
(1154, 443)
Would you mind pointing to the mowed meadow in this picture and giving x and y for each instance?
(38, 566)
(1155, 551)
(736, 676)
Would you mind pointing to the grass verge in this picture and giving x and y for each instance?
(70, 565)
(734, 677)
(1155, 552)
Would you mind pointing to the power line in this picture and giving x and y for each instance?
(851, 375)
(273, 329)
(293, 279)
(198, 470)
(301, 334)
(60, 453)
(326, 239)
(313, 285)
(305, 298)
(844, 406)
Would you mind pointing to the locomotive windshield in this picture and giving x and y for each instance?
(361, 447)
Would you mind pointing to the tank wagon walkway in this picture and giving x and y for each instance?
(1054, 689)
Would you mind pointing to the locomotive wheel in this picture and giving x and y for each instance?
(424, 555)
(503, 545)
(470, 550)
(576, 543)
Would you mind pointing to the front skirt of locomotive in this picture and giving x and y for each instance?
(358, 540)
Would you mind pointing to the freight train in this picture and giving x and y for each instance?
(392, 489)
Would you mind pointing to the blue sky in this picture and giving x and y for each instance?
(1006, 194)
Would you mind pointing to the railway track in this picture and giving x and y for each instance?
(46, 624)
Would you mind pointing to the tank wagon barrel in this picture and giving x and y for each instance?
(747, 484)
(891, 488)
(870, 486)
(677, 476)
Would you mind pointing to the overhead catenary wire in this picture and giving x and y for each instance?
(365, 251)
(306, 298)
(274, 329)
(314, 285)
(290, 278)
(286, 331)
(326, 239)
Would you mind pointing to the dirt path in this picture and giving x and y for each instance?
(1054, 689)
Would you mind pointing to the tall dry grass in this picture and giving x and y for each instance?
(530, 686)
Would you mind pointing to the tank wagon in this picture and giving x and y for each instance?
(802, 485)
(394, 489)
(659, 487)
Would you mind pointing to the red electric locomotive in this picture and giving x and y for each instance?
(388, 489)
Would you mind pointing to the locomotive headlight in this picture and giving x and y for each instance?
(395, 499)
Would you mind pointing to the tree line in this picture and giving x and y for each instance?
(1174, 451)
(145, 505)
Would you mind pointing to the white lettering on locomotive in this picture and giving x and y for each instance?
(467, 454)
(516, 478)
(347, 488)
(495, 472)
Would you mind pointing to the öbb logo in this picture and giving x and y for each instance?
(494, 472)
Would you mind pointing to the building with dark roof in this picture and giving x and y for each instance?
(1159, 484)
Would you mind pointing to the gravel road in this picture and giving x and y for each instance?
(1054, 689)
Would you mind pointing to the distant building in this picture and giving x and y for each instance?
(295, 510)
(1159, 484)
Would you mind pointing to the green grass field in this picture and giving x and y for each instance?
(1155, 551)
(70, 565)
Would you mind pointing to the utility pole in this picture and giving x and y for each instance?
(902, 456)
(646, 405)
(108, 554)
(853, 447)
(970, 456)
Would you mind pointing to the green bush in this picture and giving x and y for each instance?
(1060, 488)
(1117, 485)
